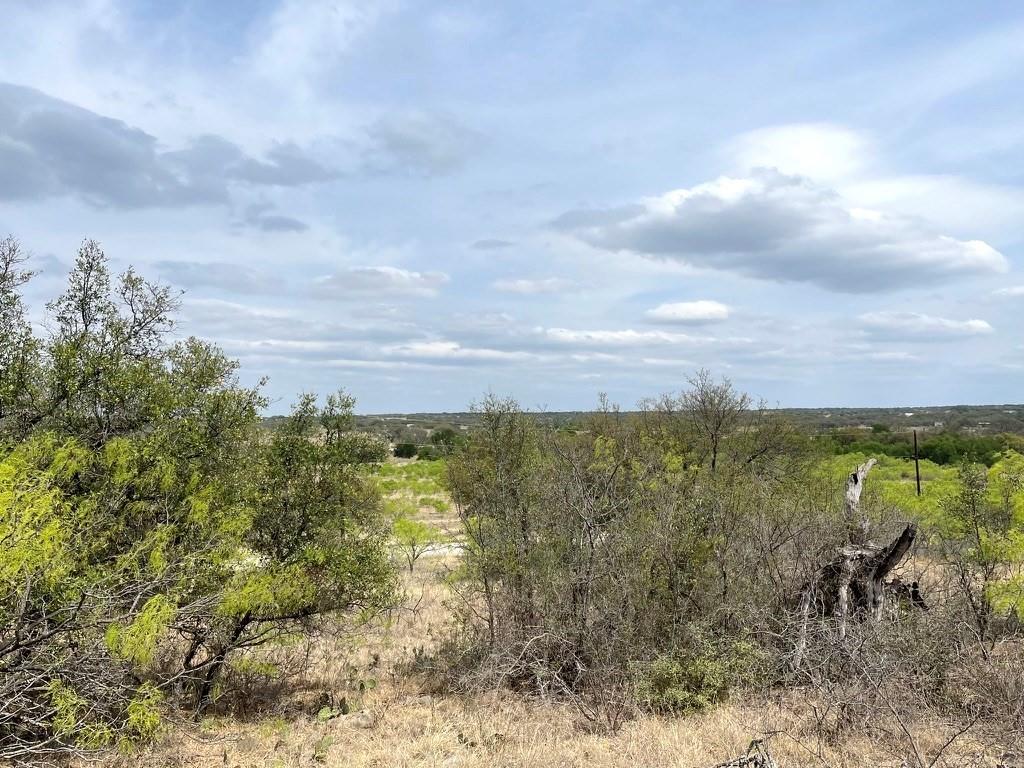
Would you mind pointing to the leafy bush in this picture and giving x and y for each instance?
(667, 555)
(446, 440)
(694, 679)
(427, 453)
(945, 448)
(589, 553)
(405, 450)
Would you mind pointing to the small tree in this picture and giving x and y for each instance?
(427, 453)
(315, 546)
(405, 450)
(415, 538)
(981, 533)
(446, 440)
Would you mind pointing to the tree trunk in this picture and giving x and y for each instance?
(203, 696)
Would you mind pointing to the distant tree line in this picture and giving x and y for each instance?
(946, 447)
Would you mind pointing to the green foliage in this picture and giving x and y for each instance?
(405, 450)
(981, 529)
(137, 642)
(425, 478)
(695, 679)
(446, 441)
(143, 715)
(148, 530)
(415, 538)
(589, 553)
(428, 453)
(945, 448)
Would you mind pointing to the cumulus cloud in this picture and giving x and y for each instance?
(50, 147)
(689, 312)
(527, 286)
(913, 326)
(380, 281)
(784, 228)
(284, 165)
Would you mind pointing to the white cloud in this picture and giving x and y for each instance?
(954, 202)
(527, 286)
(784, 228)
(453, 351)
(52, 148)
(891, 325)
(817, 150)
(668, 362)
(220, 275)
(892, 357)
(1012, 292)
(380, 281)
(630, 337)
(615, 338)
(690, 312)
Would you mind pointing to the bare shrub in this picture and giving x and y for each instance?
(670, 559)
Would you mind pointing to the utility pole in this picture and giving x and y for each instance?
(917, 465)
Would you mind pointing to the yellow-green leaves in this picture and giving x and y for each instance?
(137, 640)
(34, 529)
(142, 720)
(268, 591)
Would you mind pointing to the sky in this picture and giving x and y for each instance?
(423, 202)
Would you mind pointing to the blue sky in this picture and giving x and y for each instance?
(422, 202)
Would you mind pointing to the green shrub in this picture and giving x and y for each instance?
(696, 679)
(427, 453)
(405, 450)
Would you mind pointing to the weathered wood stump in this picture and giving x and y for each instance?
(854, 585)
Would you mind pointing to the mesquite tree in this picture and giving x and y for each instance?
(148, 531)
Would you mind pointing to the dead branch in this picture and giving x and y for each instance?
(757, 757)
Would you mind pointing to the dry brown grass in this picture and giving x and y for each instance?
(395, 724)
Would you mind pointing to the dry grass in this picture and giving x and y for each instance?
(393, 723)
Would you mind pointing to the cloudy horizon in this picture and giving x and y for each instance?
(424, 202)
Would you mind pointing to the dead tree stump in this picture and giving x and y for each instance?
(853, 585)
